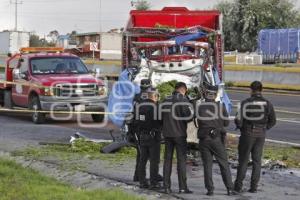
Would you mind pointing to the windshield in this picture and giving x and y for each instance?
(58, 65)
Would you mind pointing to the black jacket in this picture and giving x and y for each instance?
(211, 115)
(182, 108)
(146, 113)
(255, 116)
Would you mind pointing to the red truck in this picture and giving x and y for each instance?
(176, 43)
(47, 79)
(151, 35)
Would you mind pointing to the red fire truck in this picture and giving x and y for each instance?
(46, 79)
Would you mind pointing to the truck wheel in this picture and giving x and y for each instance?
(7, 99)
(37, 118)
(97, 117)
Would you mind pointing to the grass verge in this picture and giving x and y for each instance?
(80, 148)
(21, 183)
(266, 68)
(231, 59)
(275, 152)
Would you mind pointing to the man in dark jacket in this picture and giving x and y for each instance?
(256, 115)
(145, 85)
(176, 113)
(212, 117)
(149, 128)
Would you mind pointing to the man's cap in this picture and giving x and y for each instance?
(145, 83)
(180, 85)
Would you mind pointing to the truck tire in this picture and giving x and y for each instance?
(37, 118)
(7, 99)
(98, 117)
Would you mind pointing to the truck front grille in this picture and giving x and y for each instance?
(76, 90)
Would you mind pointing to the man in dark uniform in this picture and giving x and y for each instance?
(212, 117)
(150, 135)
(176, 113)
(145, 85)
(255, 116)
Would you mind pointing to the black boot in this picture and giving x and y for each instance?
(252, 190)
(210, 193)
(144, 185)
(231, 192)
(185, 191)
(155, 186)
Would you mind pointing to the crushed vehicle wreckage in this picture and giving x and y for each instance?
(170, 44)
(165, 45)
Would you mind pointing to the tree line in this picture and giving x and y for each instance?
(243, 19)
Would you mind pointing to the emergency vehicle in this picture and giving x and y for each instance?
(47, 79)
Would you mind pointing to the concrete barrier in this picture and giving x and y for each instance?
(264, 76)
(273, 77)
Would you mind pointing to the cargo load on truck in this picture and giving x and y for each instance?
(279, 45)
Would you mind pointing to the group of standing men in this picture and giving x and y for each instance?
(171, 118)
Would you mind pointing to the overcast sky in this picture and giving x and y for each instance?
(43, 16)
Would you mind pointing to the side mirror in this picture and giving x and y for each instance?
(92, 71)
(16, 73)
(19, 75)
(95, 71)
(24, 75)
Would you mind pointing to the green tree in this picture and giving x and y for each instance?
(142, 5)
(243, 19)
(34, 40)
(53, 35)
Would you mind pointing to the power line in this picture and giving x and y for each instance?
(16, 3)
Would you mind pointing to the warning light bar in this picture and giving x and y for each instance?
(41, 49)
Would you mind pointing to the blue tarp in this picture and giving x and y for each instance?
(224, 99)
(283, 43)
(120, 100)
(183, 38)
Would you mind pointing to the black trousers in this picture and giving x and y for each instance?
(149, 150)
(137, 163)
(214, 147)
(180, 144)
(247, 145)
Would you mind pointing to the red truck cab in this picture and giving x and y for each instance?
(49, 80)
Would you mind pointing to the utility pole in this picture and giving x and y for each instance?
(100, 30)
(16, 3)
(100, 16)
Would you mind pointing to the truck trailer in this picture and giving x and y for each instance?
(279, 45)
(12, 41)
